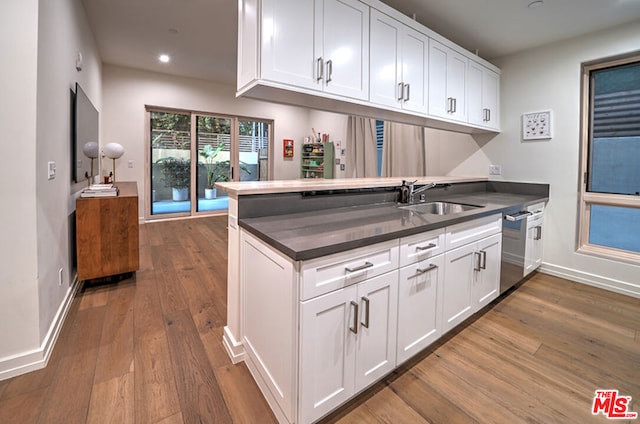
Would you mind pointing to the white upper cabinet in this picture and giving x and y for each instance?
(317, 44)
(398, 70)
(483, 96)
(361, 57)
(342, 47)
(287, 42)
(320, 45)
(447, 82)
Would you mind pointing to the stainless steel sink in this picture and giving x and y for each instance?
(439, 208)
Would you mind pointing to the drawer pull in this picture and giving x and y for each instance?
(354, 329)
(419, 271)
(365, 324)
(359, 268)
(427, 247)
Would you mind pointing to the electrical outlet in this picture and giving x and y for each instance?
(495, 169)
(130, 164)
(60, 276)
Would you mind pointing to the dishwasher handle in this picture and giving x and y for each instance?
(518, 216)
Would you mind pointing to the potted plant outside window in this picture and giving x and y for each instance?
(176, 174)
(212, 167)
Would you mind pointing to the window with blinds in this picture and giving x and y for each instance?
(610, 195)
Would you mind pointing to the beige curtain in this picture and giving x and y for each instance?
(403, 153)
(362, 159)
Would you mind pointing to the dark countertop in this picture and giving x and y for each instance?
(308, 235)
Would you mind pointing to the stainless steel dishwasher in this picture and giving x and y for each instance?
(514, 240)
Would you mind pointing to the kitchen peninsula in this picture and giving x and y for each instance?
(315, 302)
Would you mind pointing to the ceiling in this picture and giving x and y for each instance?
(200, 35)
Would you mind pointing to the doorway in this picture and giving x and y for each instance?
(191, 151)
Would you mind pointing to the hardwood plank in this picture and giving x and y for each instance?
(115, 357)
(112, 401)
(67, 397)
(200, 397)
(387, 407)
(430, 404)
(155, 392)
(244, 401)
(24, 408)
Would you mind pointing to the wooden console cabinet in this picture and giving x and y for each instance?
(107, 233)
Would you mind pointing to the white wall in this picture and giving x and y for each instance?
(549, 78)
(127, 92)
(39, 45)
(18, 276)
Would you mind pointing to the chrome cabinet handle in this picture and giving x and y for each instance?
(354, 329)
(359, 268)
(484, 259)
(400, 92)
(319, 69)
(427, 247)
(478, 265)
(455, 105)
(419, 271)
(329, 71)
(365, 324)
(407, 95)
(538, 232)
(449, 104)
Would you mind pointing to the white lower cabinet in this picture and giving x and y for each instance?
(418, 317)
(347, 342)
(472, 276)
(318, 332)
(533, 244)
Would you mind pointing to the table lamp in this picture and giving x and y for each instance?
(113, 151)
(90, 150)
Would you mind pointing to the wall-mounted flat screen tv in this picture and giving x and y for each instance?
(85, 137)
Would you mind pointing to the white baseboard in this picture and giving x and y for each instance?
(594, 280)
(38, 358)
(235, 349)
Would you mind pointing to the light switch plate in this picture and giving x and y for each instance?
(51, 170)
(495, 169)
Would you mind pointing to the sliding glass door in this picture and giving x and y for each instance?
(192, 151)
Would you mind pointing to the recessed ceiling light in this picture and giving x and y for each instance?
(164, 58)
(535, 4)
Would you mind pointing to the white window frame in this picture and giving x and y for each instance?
(587, 198)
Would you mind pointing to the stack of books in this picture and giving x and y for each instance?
(100, 190)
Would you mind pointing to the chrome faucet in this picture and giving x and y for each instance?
(408, 192)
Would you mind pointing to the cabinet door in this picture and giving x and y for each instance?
(418, 313)
(415, 59)
(447, 82)
(327, 352)
(533, 246)
(376, 338)
(491, 99)
(474, 94)
(482, 96)
(487, 282)
(342, 44)
(288, 43)
(385, 71)
(456, 292)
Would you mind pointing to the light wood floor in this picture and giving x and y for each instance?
(148, 350)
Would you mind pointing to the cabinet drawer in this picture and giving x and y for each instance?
(421, 246)
(322, 275)
(467, 232)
